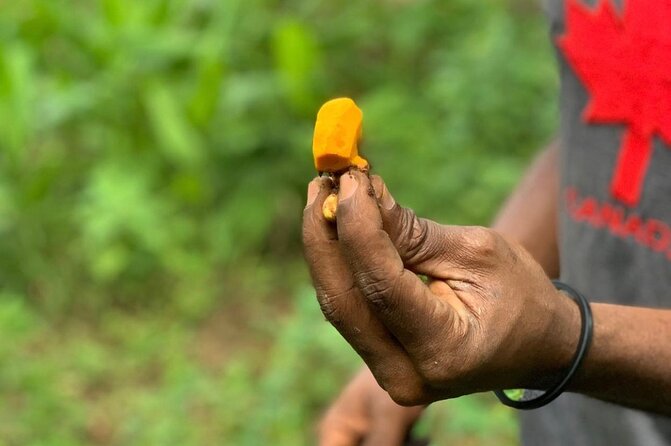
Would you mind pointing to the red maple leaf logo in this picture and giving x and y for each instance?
(624, 61)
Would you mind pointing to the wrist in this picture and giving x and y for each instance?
(584, 343)
(558, 340)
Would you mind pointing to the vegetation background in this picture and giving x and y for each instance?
(153, 162)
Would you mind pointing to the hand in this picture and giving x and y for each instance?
(364, 414)
(487, 317)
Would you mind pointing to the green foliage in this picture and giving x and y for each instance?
(150, 143)
(157, 390)
(153, 161)
(476, 419)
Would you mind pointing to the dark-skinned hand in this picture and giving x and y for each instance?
(365, 415)
(486, 318)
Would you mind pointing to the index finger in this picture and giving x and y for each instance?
(401, 299)
(341, 301)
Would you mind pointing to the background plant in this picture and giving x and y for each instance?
(153, 160)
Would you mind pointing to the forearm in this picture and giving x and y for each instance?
(629, 362)
(530, 213)
(487, 302)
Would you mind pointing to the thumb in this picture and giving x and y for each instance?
(423, 245)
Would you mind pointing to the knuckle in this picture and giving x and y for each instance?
(329, 304)
(329, 310)
(413, 235)
(376, 287)
(483, 241)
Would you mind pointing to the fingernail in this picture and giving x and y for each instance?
(382, 194)
(348, 185)
(313, 191)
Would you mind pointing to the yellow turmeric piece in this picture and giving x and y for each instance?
(337, 132)
(335, 144)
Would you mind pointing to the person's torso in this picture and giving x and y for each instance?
(615, 206)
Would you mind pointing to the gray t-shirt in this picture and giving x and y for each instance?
(615, 237)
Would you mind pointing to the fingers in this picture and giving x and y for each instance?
(333, 280)
(342, 432)
(342, 303)
(432, 249)
(364, 414)
(399, 297)
(348, 419)
(391, 424)
(320, 244)
(420, 242)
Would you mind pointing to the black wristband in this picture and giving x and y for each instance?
(583, 346)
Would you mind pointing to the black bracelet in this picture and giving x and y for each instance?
(583, 346)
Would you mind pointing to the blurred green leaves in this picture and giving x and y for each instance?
(297, 60)
(17, 97)
(174, 134)
(142, 381)
(153, 161)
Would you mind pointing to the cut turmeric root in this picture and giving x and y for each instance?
(335, 144)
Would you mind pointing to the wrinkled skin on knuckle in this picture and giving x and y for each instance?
(376, 286)
(417, 238)
(479, 252)
(327, 307)
(412, 234)
(328, 304)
